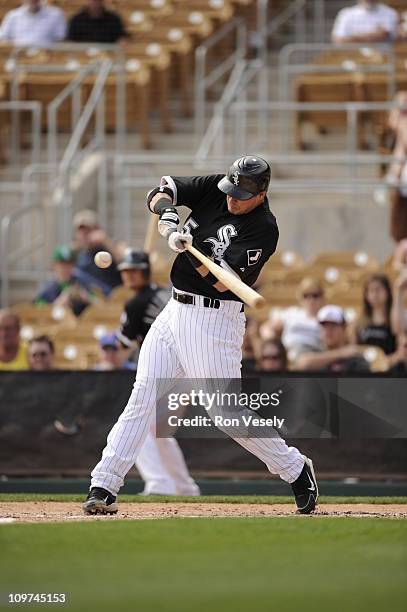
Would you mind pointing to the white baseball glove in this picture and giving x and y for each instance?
(178, 240)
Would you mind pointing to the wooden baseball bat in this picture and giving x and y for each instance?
(232, 282)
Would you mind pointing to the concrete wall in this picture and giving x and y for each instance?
(310, 227)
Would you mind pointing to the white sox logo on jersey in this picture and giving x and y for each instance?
(253, 256)
(219, 246)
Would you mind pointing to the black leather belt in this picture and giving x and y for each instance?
(184, 298)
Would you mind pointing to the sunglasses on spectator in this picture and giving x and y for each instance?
(314, 296)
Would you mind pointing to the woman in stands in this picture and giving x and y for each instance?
(297, 326)
(374, 326)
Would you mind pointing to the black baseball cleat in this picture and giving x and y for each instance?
(100, 501)
(305, 489)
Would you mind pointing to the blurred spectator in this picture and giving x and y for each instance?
(374, 326)
(297, 326)
(337, 354)
(400, 357)
(273, 356)
(67, 287)
(33, 23)
(94, 23)
(13, 352)
(368, 21)
(112, 356)
(41, 354)
(89, 238)
(399, 311)
(400, 256)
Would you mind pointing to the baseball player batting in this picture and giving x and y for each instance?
(199, 333)
(160, 463)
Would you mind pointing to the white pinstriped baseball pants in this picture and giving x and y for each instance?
(188, 341)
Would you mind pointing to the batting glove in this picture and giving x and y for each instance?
(168, 221)
(178, 241)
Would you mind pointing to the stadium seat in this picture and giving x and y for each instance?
(107, 314)
(45, 315)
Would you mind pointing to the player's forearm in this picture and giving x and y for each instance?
(204, 272)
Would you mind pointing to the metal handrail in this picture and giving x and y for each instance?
(352, 109)
(285, 15)
(59, 99)
(90, 107)
(215, 127)
(203, 81)
(16, 68)
(35, 108)
(94, 103)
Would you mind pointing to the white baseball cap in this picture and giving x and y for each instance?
(331, 314)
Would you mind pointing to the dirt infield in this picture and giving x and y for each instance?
(51, 512)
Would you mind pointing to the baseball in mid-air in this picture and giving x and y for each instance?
(103, 259)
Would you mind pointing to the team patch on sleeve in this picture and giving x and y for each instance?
(253, 256)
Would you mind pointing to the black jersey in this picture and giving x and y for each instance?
(140, 312)
(241, 242)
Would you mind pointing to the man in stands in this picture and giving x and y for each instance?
(337, 355)
(112, 355)
(66, 288)
(367, 22)
(13, 352)
(41, 354)
(33, 23)
(89, 238)
(94, 23)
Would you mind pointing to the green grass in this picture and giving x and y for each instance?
(231, 499)
(201, 565)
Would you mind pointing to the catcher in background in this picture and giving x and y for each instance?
(160, 463)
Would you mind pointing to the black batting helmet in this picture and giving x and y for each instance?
(247, 177)
(134, 260)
